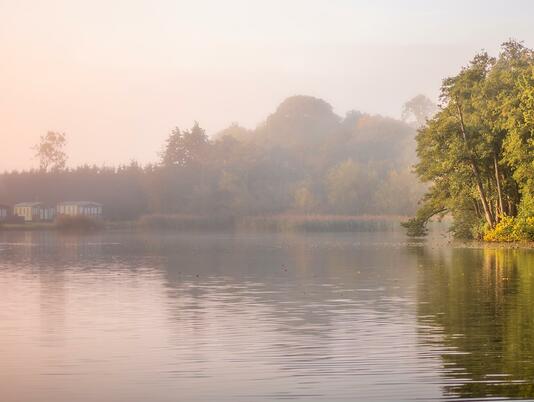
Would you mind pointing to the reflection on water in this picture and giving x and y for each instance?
(480, 304)
(223, 317)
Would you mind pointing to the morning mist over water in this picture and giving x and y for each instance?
(261, 201)
(261, 317)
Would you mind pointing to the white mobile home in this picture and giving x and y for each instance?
(29, 211)
(47, 213)
(4, 212)
(80, 208)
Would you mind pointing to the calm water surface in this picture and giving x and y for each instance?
(260, 317)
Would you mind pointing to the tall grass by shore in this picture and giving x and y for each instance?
(275, 223)
(185, 222)
(319, 223)
(78, 223)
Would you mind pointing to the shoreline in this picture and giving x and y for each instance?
(276, 223)
(258, 224)
(525, 245)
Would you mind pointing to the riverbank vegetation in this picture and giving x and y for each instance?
(304, 159)
(477, 152)
(319, 223)
(271, 223)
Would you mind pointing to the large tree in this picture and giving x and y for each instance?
(475, 151)
(184, 148)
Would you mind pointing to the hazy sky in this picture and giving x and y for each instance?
(116, 76)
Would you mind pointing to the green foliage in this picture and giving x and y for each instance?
(477, 152)
(184, 148)
(415, 227)
(517, 228)
(505, 230)
(350, 188)
(511, 229)
(466, 224)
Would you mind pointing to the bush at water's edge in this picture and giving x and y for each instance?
(511, 229)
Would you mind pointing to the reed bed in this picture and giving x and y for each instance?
(320, 223)
(78, 223)
(185, 222)
(272, 223)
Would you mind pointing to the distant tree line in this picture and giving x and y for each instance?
(477, 152)
(303, 158)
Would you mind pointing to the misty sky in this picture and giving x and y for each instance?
(116, 76)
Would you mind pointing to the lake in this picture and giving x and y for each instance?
(262, 317)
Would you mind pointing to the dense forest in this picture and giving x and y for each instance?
(303, 159)
(477, 152)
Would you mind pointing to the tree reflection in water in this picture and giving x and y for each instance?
(477, 305)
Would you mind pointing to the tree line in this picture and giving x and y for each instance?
(303, 159)
(477, 152)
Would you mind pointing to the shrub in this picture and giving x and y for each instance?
(525, 228)
(511, 229)
(78, 223)
(503, 231)
(415, 227)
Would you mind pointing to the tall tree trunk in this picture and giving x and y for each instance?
(477, 209)
(498, 181)
(513, 193)
(476, 171)
(510, 206)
